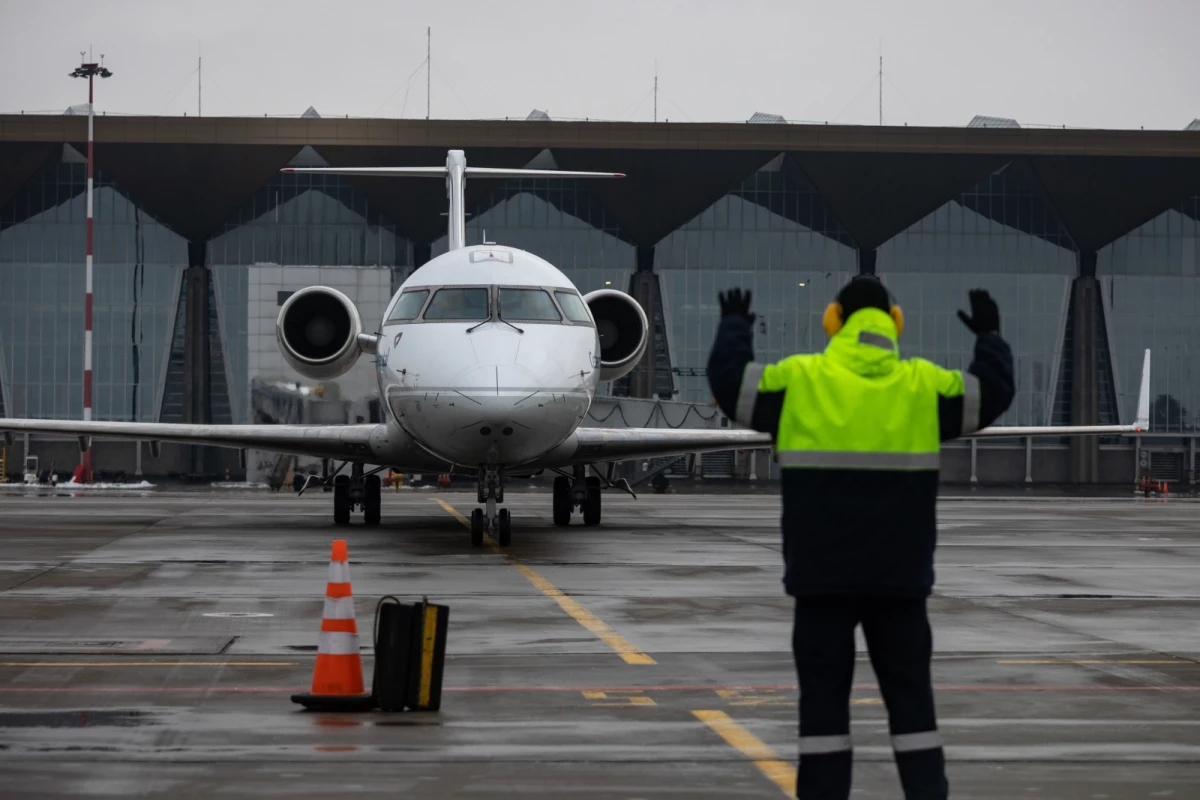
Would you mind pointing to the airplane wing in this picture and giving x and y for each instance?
(373, 443)
(1141, 421)
(590, 445)
(381, 443)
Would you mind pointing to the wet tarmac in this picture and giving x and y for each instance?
(148, 645)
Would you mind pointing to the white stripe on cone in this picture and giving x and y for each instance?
(339, 608)
(337, 644)
(339, 572)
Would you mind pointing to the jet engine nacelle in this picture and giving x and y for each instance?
(318, 330)
(623, 330)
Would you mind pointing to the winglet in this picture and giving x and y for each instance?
(1142, 422)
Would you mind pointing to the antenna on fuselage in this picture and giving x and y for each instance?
(456, 173)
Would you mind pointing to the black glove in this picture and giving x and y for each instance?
(985, 314)
(735, 301)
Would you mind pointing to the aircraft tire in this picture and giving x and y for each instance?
(372, 501)
(591, 506)
(562, 501)
(341, 500)
(477, 526)
(504, 534)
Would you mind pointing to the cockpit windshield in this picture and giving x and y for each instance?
(549, 304)
(573, 306)
(528, 304)
(458, 304)
(408, 306)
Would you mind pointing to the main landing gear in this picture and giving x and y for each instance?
(356, 491)
(582, 492)
(497, 522)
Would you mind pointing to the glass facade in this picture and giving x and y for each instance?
(1001, 236)
(138, 265)
(774, 235)
(296, 220)
(1150, 281)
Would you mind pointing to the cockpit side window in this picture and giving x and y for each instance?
(573, 307)
(458, 304)
(530, 305)
(408, 307)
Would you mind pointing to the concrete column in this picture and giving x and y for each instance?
(197, 392)
(974, 460)
(754, 462)
(1085, 383)
(421, 253)
(866, 261)
(1029, 459)
(643, 286)
(138, 462)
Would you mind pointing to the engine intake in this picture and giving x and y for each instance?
(318, 331)
(623, 330)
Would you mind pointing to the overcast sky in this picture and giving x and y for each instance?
(1088, 63)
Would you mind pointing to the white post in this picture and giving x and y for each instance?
(1192, 461)
(974, 459)
(754, 464)
(1029, 459)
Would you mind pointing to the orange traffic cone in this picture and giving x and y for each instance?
(338, 676)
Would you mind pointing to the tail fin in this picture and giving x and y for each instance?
(1142, 420)
(456, 172)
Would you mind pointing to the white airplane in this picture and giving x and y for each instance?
(488, 359)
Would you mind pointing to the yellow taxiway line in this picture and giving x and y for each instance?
(623, 647)
(767, 760)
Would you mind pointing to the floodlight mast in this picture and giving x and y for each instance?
(89, 70)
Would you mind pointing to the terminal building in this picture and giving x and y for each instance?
(1087, 238)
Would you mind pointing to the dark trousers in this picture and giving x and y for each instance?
(900, 644)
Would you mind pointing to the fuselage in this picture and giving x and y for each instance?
(488, 355)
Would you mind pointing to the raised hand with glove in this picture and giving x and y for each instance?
(985, 314)
(735, 301)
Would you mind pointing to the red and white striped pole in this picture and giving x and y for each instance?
(89, 71)
(87, 298)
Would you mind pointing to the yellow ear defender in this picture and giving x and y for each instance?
(832, 322)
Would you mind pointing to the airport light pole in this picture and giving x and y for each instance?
(89, 71)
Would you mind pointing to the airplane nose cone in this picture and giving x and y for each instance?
(511, 412)
(496, 380)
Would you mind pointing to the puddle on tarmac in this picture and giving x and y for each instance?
(120, 718)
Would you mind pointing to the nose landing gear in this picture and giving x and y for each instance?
(497, 522)
(579, 492)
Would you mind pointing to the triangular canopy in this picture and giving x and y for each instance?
(662, 189)
(191, 188)
(878, 195)
(18, 163)
(1101, 199)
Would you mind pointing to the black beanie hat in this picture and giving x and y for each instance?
(863, 291)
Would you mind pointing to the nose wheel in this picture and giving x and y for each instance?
(491, 520)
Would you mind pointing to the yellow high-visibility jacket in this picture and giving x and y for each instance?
(857, 434)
